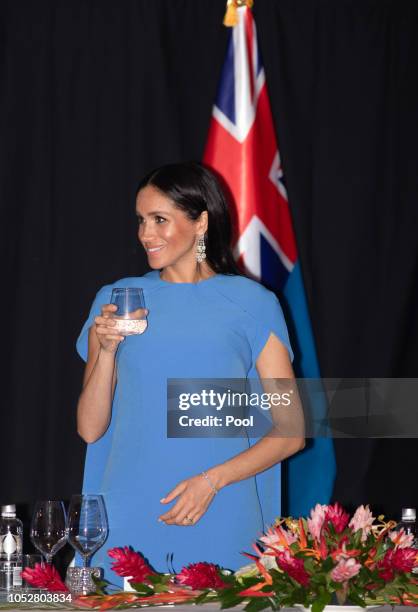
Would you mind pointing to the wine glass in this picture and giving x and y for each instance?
(87, 525)
(128, 300)
(47, 532)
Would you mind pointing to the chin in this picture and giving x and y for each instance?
(154, 265)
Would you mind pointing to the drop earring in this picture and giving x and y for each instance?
(200, 249)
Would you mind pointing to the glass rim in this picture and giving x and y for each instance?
(49, 501)
(80, 498)
(125, 289)
(86, 495)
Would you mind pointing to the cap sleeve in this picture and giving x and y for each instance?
(269, 319)
(102, 297)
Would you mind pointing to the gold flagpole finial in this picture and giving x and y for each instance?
(231, 15)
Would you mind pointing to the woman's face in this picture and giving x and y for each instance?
(168, 236)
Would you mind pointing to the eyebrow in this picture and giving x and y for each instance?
(154, 212)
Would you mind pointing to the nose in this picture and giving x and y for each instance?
(145, 231)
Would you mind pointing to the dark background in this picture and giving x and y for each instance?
(95, 93)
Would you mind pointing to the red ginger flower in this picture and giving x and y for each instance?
(337, 516)
(45, 577)
(398, 560)
(201, 576)
(130, 564)
(292, 566)
(323, 549)
(386, 574)
(341, 551)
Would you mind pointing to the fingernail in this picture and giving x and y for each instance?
(160, 520)
(162, 499)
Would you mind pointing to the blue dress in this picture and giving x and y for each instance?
(212, 329)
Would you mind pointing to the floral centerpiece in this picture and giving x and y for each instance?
(314, 561)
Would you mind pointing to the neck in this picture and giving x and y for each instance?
(191, 275)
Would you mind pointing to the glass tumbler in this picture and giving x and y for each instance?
(129, 318)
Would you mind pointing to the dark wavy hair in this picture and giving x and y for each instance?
(193, 188)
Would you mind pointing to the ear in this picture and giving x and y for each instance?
(202, 223)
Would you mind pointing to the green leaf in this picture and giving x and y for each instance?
(322, 601)
(161, 588)
(159, 578)
(230, 602)
(357, 539)
(258, 604)
(201, 598)
(229, 578)
(310, 565)
(142, 588)
(249, 581)
(327, 565)
(100, 585)
(356, 599)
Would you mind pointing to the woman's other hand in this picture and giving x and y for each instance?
(194, 496)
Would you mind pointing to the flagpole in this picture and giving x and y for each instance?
(231, 15)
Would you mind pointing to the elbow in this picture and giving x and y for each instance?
(87, 436)
(299, 444)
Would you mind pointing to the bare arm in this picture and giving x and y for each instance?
(273, 362)
(95, 402)
(195, 494)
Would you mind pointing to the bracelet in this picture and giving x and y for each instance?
(212, 486)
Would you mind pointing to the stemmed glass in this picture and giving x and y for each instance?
(87, 525)
(47, 532)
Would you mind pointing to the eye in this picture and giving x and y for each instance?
(140, 220)
(159, 219)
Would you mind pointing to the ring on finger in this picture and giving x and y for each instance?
(188, 519)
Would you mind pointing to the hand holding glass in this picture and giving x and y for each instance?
(129, 317)
(47, 531)
(87, 526)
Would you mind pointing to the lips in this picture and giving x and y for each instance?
(152, 250)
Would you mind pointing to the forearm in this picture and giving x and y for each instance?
(95, 402)
(264, 454)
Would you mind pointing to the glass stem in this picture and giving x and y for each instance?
(48, 559)
(86, 561)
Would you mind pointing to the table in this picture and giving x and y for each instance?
(212, 607)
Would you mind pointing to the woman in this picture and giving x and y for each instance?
(185, 500)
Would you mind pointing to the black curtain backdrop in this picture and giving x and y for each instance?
(94, 93)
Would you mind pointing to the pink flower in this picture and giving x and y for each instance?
(316, 522)
(129, 564)
(345, 569)
(44, 577)
(401, 539)
(362, 519)
(292, 566)
(201, 576)
(279, 538)
(338, 517)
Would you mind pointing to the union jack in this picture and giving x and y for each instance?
(242, 147)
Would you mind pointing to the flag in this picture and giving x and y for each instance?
(242, 148)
